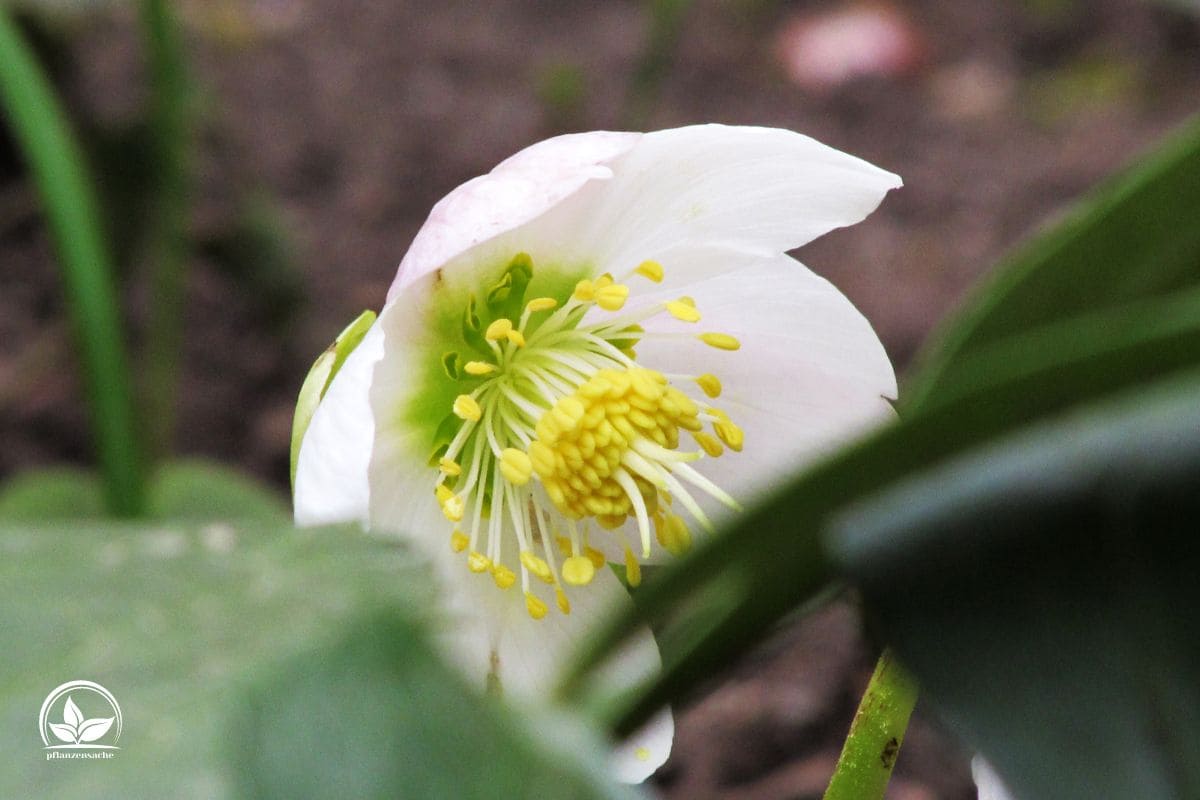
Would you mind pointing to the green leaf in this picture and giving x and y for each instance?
(202, 491)
(1135, 238)
(1044, 591)
(320, 375)
(60, 493)
(39, 127)
(252, 661)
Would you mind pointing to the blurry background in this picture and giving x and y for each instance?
(326, 130)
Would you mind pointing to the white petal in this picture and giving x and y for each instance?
(516, 191)
(759, 190)
(810, 375)
(989, 783)
(331, 472)
(639, 756)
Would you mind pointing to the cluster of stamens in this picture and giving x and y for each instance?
(561, 427)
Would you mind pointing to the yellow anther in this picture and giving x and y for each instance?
(560, 597)
(537, 566)
(459, 541)
(708, 383)
(604, 280)
(578, 570)
(454, 507)
(650, 269)
(633, 570)
(515, 466)
(729, 433)
(708, 444)
(673, 534)
(498, 329)
(466, 408)
(540, 304)
(585, 291)
(503, 576)
(479, 367)
(682, 311)
(642, 754)
(442, 493)
(536, 608)
(516, 337)
(612, 297)
(721, 341)
(477, 562)
(449, 467)
(596, 557)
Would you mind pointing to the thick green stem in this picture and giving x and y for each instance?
(56, 165)
(871, 748)
(169, 119)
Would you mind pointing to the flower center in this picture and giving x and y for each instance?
(561, 427)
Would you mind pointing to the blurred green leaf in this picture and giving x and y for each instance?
(1134, 238)
(252, 662)
(1044, 591)
(204, 491)
(60, 493)
(56, 164)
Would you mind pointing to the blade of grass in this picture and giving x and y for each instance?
(56, 164)
(170, 125)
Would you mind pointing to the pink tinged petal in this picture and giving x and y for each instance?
(332, 470)
(989, 783)
(516, 191)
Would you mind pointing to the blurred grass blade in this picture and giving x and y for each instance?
(1135, 237)
(56, 165)
(170, 124)
(1044, 592)
(723, 597)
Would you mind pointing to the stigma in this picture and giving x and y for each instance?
(560, 438)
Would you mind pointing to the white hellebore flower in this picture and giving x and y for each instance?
(587, 354)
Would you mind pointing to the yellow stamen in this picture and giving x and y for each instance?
(729, 433)
(560, 597)
(682, 311)
(479, 367)
(454, 508)
(650, 269)
(536, 608)
(466, 408)
(612, 297)
(633, 570)
(516, 337)
(477, 562)
(448, 467)
(537, 566)
(674, 535)
(503, 576)
(708, 444)
(721, 341)
(515, 466)
(540, 304)
(498, 329)
(459, 541)
(585, 291)
(708, 383)
(596, 557)
(578, 570)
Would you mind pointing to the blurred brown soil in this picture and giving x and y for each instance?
(353, 119)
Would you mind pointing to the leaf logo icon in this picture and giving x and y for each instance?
(75, 729)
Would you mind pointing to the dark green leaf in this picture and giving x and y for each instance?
(1134, 238)
(1044, 591)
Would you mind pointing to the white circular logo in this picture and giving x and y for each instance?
(80, 716)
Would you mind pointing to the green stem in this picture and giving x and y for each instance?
(169, 119)
(56, 165)
(871, 748)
